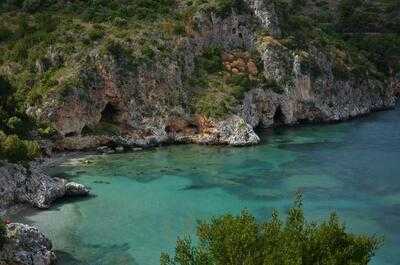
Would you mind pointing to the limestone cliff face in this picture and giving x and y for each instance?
(311, 92)
(145, 100)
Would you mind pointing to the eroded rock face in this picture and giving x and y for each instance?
(149, 103)
(310, 93)
(25, 245)
(130, 98)
(265, 11)
(19, 185)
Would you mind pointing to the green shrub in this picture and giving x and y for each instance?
(2, 233)
(232, 240)
(16, 125)
(95, 34)
(210, 61)
(15, 150)
(223, 6)
(221, 95)
(47, 131)
(215, 103)
(5, 33)
(31, 5)
(120, 22)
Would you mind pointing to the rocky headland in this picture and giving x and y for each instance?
(31, 186)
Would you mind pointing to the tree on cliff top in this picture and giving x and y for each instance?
(240, 240)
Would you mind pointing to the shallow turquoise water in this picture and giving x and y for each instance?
(144, 200)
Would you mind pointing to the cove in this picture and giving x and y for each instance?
(144, 200)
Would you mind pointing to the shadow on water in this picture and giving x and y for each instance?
(99, 255)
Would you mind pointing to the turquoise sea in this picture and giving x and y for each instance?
(144, 200)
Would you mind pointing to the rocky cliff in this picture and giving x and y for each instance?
(129, 92)
(311, 91)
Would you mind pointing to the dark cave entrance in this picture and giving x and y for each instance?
(71, 134)
(279, 117)
(86, 130)
(109, 114)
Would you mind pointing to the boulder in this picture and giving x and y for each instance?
(235, 131)
(25, 245)
(73, 189)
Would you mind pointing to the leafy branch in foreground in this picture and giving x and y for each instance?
(240, 240)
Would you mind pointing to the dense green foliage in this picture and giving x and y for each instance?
(220, 7)
(98, 10)
(2, 233)
(14, 149)
(362, 36)
(15, 123)
(217, 90)
(238, 240)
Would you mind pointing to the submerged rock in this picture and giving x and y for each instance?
(26, 245)
(19, 185)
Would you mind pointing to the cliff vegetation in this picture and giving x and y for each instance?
(56, 56)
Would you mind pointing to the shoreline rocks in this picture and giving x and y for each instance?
(73, 189)
(26, 245)
(20, 185)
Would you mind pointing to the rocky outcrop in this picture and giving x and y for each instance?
(231, 131)
(82, 143)
(235, 131)
(265, 12)
(309, 89)
(25, 245)
(73, 189)
(141, 103)
(19, 185)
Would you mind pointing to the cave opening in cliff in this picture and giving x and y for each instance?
(109, 114)
(86, 130)
(279, 117)
(71, 134)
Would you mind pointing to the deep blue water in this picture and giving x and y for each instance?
(144, 200)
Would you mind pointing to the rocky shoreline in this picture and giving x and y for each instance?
(26, 245)
(33, 187)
